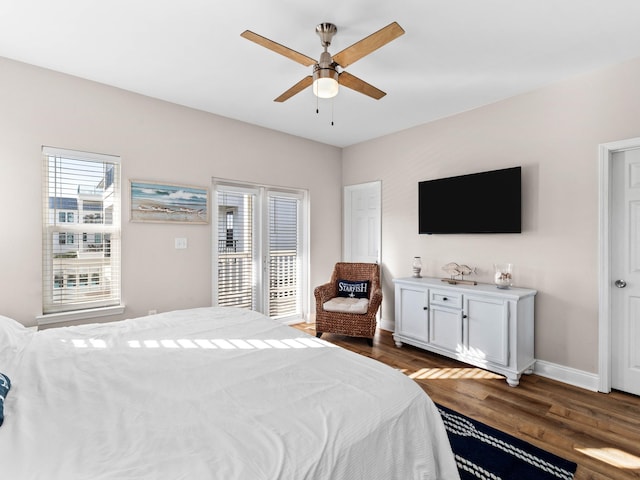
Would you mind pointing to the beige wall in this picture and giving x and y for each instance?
(554, 134)
(156, 141)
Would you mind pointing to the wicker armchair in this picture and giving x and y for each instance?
(350, 324)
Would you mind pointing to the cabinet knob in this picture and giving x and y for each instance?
(425, 308)
(444, 299)
(464, 316)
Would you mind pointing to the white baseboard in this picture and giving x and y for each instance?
(577, 378)
(561, 373)
(387, 325)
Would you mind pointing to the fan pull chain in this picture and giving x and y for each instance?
(332, 111)
(318, 109)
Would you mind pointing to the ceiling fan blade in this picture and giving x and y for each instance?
(281, 49)
(368, 44)
(297, 88)
(354, 83)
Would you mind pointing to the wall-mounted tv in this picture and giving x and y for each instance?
(485, 202)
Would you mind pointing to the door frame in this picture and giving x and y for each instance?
(347, 255)
(605, 161)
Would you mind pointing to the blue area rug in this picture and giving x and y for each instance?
(489, 454)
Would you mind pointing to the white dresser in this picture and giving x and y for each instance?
(482, 325)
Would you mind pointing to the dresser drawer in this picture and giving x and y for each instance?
(445, 298)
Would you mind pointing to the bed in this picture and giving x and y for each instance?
(209, 393)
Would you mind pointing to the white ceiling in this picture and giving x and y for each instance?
(456, 55)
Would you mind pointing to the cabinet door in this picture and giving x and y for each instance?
(487, 329)
(445, 328)
(412, 316)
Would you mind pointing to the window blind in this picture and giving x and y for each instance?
(284, 298)
(80, 230)
(236, 276)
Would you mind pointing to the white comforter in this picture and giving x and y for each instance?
(210, 393)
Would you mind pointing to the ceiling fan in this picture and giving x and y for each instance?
(326, 77)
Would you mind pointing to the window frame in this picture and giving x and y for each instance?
(80, 306)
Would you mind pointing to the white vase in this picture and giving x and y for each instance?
(417, 267)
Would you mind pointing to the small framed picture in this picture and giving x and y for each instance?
(165, 202)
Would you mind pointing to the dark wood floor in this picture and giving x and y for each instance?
(600, 432)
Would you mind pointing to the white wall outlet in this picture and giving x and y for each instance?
(152, 312)
(181, 242)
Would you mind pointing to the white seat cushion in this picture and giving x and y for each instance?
(347, 305)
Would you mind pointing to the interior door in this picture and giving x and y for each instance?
(625, 271)
(362, 222)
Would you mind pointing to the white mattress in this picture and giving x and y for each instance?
(210, 393)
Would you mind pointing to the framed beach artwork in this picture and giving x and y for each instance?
(165, 202)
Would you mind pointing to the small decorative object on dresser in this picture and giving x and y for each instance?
(454, 270)
(417, 267)
(503, 275)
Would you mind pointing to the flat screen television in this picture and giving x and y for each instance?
(485, 202)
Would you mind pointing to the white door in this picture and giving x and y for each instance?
(625, 271)
(260, 250)
(284, 251)
(362, 222)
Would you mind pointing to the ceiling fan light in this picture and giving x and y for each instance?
(325, 82)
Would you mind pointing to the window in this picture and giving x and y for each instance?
(65, 217)
(80, 232)
(237, 285)
(229, 241)
(284, 255)
(65, 238)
